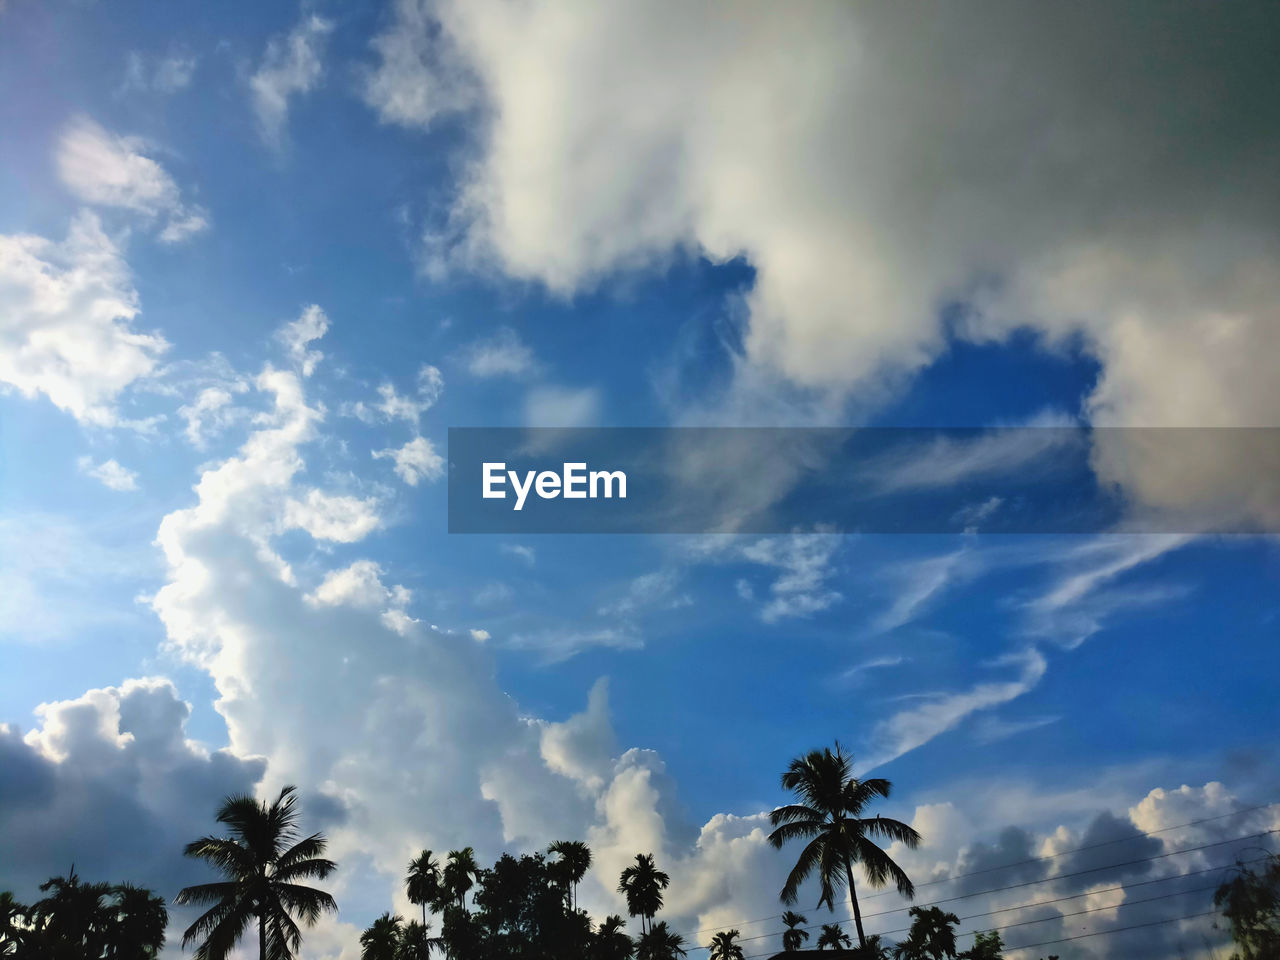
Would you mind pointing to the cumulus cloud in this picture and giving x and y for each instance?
(107, 170)
(419, 75)
(291, 65)
(870, 182)
(115, 762)
(66, 322)
(417, 460)
(110, 474)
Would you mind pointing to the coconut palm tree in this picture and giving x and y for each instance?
(642, 885)
(832, 936)
(11, 917)
(381, 939)
(932, 935)
(422, 883)
(794, 938)
(722, 946)
(610, 942)
(72, 920)
(140, 922)
(460, 874)
(660, 944)
(574, 861)
(829, 816)
(416, 942)
(263, 859)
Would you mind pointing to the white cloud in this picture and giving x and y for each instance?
(920, 581)
(804, 562)
(326, 516)
(66, 312)
(419, 75)
(106, 170)
(393, 405)
(870, 182)
(291, 65)
(109, 473)
(112, 763)
(503, 354)
(417, 460)
(562, 407)
(211, 412)
(649, 591)
(298, 335)
(940, 712)
(525, 552)
(157, 75)
(478, 635)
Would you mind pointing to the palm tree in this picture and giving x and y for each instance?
(610, 942)
(932, 936)
(140, 922)
(262, 859)
(575, 860)
(416, 942)
(832, 936)
(381, 939)
(794, 938)
(460, 873)
(722, 946)
(11, 914)
(660, 944)
(422, 883)
(829, 816)
(73, 919)
(642, 885)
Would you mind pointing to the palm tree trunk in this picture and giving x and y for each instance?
(262, 937)
(857, 914)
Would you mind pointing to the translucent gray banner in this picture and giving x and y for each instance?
(1059, 479)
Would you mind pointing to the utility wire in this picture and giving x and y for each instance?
(1022, 863)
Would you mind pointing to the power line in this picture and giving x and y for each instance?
(1021, 863)
(1060, 916)
(1031, 883)
(1105, 933)
(1037, 903)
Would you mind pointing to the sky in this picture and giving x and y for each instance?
(255, 260)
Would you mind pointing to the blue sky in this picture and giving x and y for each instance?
(258, 259)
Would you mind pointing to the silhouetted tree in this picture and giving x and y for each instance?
(833, 936)
(72, 921)
(83, 921)
(794, 938)
(986, 946)
(829, 816)
(876, 949)
(642, 884)
(140, 921)
(723, 947)
(263, 860)
(416, 942)
(381, 939)
(12, 915)
(609, 942)
(932, 935)
(459, 874)
(1250, 901)
(659, 943)
(574, 861)
(422, 883)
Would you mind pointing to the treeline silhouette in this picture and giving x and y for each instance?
(526, 907)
